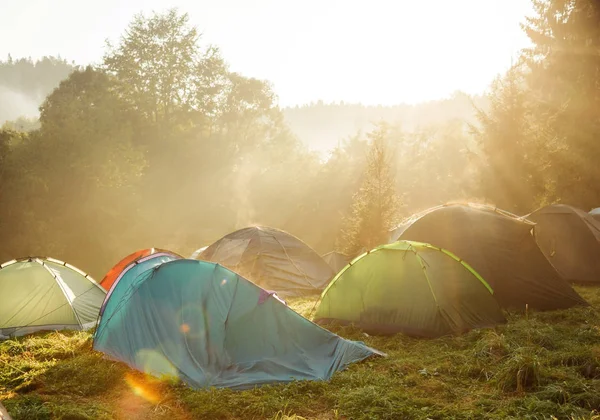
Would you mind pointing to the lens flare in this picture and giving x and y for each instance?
(190, 320)
(154, 363)
(142, 389)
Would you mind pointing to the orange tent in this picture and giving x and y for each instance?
(114, 272)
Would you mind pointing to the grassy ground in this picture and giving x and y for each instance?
(540, 366)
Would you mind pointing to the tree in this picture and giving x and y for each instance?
(319, 213)
(22, 124)
(512, 151)
(18, 187)
(79, 172)
(433, 164)
(86, 123)
(375, 208)
(5, 138)
(165, 74)
(563, 78)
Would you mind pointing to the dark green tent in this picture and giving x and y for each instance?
(570, 239)
(412, 288)
(272, 259)
(501, 248)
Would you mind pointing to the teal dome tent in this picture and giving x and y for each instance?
(210, 327)
(125, 279)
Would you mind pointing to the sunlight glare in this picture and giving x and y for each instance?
(141, 389)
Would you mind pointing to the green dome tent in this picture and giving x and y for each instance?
(570, 239)
(411, 288)
(46, 294)
(210, 327)
(501, 248)
(272, 259)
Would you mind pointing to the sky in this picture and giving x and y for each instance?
(369, 51)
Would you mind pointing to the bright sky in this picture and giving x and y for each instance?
(369, 51)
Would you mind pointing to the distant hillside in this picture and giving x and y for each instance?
(321, 126)
(24, 84)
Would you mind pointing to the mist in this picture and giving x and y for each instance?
(118, 164)
(15, 104)
(176, 137)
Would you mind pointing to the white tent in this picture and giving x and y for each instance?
(46, 294)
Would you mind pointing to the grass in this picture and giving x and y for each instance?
(543, 366)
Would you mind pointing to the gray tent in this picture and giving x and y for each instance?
(336, 260)
(197, 252)
(500, 247)
(272, 259)
(595, 213)
(570, 239)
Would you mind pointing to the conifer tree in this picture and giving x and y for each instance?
(376, 204)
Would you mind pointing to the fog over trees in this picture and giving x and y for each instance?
(163, 145)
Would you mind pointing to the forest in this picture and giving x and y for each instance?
(162, 145)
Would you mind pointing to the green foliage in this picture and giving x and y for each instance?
(328, 193)
(28, 407)
(65, 173)
(155, 64)
(35, 407)
(512, 153)
(80, 376)
(563, 77)
(165, 146)
(22, 124)
(435, 165)
(521, 372)
(163, 135)
(539, 139)
(376, 204)
(6, 137)
(23, 362)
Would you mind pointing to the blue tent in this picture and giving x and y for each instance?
(210, 327)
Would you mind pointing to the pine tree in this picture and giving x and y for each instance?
(376, 204)
(509, 171)
(564, 81)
